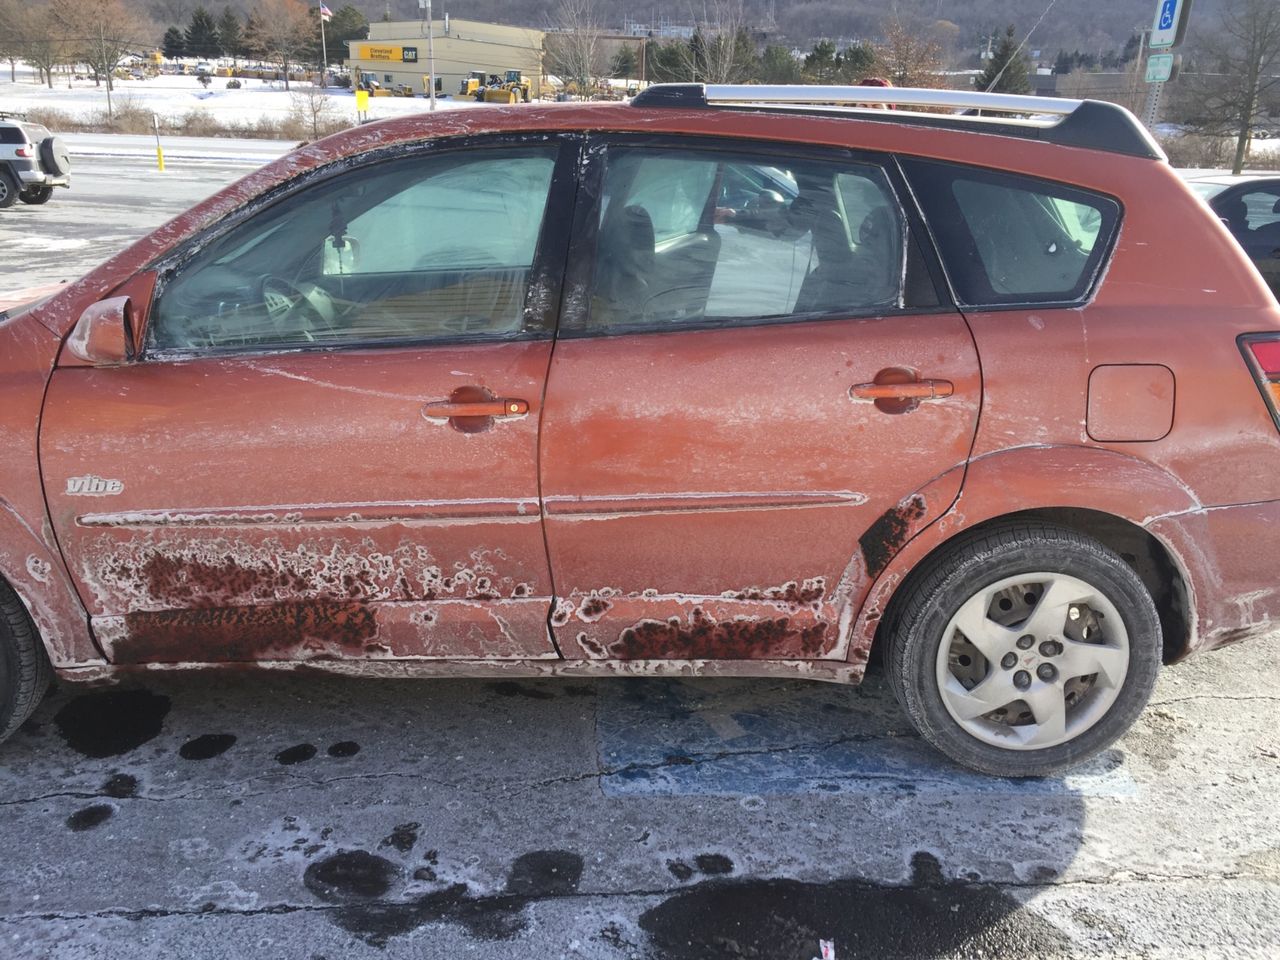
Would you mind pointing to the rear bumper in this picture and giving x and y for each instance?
(1227, 555)
(38, 178)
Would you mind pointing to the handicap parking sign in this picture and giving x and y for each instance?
(1169, 24)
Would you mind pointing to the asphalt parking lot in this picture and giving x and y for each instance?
(280, 816)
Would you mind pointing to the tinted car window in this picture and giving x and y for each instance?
(11, 135)
(1262, 207)
(690, 237)
(425, 248)
(1007, 239)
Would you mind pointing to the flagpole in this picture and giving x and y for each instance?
(324, 54)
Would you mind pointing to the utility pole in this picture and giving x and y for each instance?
(431, 58)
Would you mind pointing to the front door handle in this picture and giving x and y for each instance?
(495, 407)
(912, 390)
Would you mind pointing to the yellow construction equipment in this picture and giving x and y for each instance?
(513, 89)
(472, 85)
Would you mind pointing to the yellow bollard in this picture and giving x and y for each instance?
(155, 125)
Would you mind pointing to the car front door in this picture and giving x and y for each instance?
(755, 379)
(328, 446)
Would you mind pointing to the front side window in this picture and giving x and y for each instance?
(696, 237)
(1008, 239)
(431, 247)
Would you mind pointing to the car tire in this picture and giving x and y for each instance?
(36, 195)
(25, 672)
(8, 190)
(960, 663)
(54, 157)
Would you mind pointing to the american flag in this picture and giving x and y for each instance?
(325, 13)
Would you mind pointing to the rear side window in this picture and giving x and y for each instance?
(697, 237)
(11, 135)
(1007, 239)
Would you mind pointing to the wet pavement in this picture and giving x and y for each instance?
(290, 816)
(276, 815)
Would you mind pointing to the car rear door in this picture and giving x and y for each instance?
(328, 447)
(755, 379)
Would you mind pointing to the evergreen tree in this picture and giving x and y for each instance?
(857, 62)
(666, 62)
(1006, 71)
(174, 45)
(348, 23)
(230, 35)
(820, 65)
(1064, 64)
(777, 65)
(625, 63)
(252, 38)
(202, 35)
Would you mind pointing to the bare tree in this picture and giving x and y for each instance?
(101, 33)
(722, 50)
(9, 47)
(313, 109)
(285, 33)
(39, 38)
(1236, 69)
(908, 58)
(573, 48)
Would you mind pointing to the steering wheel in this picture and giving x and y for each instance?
(298, 309)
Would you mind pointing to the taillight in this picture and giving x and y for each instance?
(1262, 351)
(26, 152)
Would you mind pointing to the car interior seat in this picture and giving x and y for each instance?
(624, 266)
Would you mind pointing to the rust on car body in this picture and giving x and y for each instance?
(701, 638)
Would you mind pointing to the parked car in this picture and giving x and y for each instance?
(519, 392)
(32, 161)
(1250, 207)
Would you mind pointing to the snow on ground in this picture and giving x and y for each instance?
(173, 97)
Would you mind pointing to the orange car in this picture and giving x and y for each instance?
(723, 381)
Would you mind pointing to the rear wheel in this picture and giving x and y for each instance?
(1024, 650)
(25, 672)
(36, 195)
(8, 189)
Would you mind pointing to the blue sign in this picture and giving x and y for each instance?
(1170, 24)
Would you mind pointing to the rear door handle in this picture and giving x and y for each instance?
(497, 407)
(914, 390)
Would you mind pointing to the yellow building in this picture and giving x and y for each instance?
(396, 52)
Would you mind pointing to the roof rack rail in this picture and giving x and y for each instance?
(1092, 124)
(12, 115)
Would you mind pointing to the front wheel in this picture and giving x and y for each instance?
(1024, 650)
(25, 672)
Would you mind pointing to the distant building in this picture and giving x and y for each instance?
(396, 52)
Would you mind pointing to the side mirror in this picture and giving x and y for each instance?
(103, 336)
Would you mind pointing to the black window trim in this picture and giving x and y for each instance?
(1100, 268)
(546, 274)
(579, 275)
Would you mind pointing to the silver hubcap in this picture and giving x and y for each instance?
(1032, 661)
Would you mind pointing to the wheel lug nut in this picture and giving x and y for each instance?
(1073, 613)
(1025, 642)
(1046, 672)
(1050, 648)
(1008, 660)
(1022, 679)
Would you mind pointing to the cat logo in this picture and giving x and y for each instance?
(92, 486)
